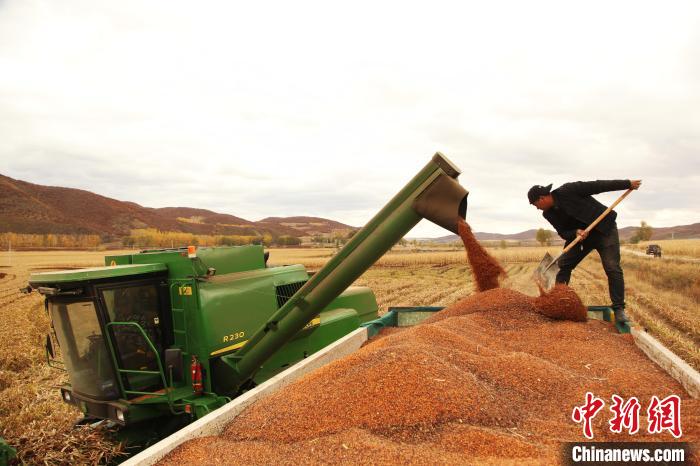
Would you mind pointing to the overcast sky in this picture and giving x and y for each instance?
(325, 108)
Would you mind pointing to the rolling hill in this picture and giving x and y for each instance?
(31, 208)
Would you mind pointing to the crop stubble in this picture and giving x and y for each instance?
(33, 419)
(492, 378)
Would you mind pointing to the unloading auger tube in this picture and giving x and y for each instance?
(434, 194)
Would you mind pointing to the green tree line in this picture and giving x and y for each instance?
(141, 238)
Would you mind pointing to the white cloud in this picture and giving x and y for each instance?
(271, 109)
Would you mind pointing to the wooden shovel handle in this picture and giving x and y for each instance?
(595, 222)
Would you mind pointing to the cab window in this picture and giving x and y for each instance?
(139, 304)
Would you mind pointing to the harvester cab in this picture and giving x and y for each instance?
(83, 305)
(169, 335)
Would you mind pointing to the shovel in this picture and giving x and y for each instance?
(546, 272)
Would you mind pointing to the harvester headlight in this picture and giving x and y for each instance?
(120, 415)
(66, 397)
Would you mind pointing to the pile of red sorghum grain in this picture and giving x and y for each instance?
(492, 379)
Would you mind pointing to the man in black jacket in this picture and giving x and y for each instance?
(570, 209)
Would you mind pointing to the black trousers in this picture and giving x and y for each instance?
(608, 247)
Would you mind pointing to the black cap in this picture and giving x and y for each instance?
(536, 191)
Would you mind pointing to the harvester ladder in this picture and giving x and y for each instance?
(166, 388)
(179, 315)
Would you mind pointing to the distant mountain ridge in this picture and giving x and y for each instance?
(691, 231)
(32, 208)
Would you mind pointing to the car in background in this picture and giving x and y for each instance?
(654, 250)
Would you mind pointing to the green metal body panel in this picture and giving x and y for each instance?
(234, 306)
(95, 273)
(334, 324)
(223, 259)
(403, 316)
(600, 313)
(359, 298)
(408, 316)
(607, 314)
(250, 257)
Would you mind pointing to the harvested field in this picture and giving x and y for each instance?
(33, 419)
(489, 380)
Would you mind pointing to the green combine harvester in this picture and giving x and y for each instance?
(157, 339)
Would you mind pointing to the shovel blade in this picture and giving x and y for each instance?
(545, 275)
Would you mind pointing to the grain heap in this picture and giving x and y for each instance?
(562, 303)
(491, 379)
